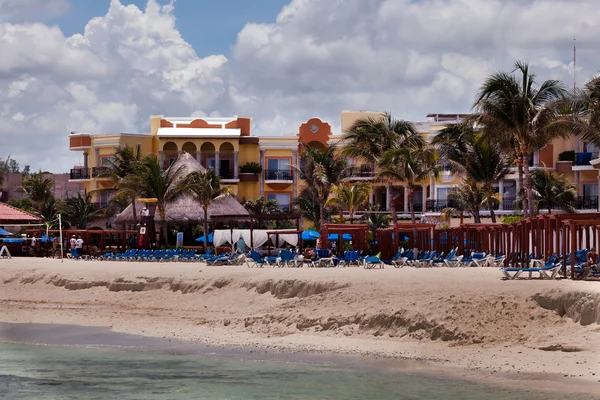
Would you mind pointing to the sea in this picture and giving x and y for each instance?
(87, 371)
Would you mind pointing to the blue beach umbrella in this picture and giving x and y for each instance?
(310, 235)
(203, 238)
(4, 233)
(334, 237)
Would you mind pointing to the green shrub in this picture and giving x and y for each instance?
(567, 156)
(509, 219)
(251, 168)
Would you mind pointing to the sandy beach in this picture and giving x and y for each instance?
(468, 319)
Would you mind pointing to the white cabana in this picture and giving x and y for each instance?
(259, 237)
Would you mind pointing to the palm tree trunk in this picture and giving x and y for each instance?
(521, 194)
(321, 217)
(476, 216)
(527, 182)
(394, 213)
(163, 227)
(410, 207)
(492, 213)
(134, 212)
(205, 228)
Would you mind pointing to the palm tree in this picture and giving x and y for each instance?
(4, 169)
(586, 112)
(553, 192)
(123, 163)
(205, 187)
(467, 198)
(349, 198)
(39, 189)
(369, 138)
(375, 218)
(522, 117)
(150, 180)
(261, 207)
(80, 210)
(307, 204)
(322, 170)
(410, 164)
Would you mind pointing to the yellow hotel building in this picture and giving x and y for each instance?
(227, 144)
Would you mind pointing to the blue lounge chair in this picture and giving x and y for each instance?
(477, 259)
(405, 259)
(191, 255)
(548, 271)
(256, 260)
(286, 257)
(171, 255)
(372, 262)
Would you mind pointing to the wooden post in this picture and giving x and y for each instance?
(573, 248)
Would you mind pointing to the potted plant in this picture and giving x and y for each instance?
(565, 161)
(249, 172)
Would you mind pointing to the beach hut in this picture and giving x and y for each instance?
(185, 210)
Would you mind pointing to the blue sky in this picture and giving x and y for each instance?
(210, 26)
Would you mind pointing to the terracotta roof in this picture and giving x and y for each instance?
(12, 214)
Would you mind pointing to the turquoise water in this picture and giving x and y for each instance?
(51, 372)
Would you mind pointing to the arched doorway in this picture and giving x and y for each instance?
(189, 148)
(226, 161)
(169, 153)
(207, 155)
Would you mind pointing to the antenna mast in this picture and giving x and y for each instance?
(574, 65)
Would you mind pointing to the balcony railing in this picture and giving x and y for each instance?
(508, 204)
(227, 175)
(80, 173)
(586, 203)
(584, 158)
(278, 175)
(363, 171)
(97, 171)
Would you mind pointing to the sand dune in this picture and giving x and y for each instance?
(468, 318)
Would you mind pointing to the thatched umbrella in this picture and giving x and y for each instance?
(185, 209)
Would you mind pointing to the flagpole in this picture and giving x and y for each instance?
(61, 237)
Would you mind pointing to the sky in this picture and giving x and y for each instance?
(105, 66)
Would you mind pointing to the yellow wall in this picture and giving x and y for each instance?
(199, 142)
(248, 153)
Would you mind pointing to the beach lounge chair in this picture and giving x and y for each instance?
(497, 261)
(157, 255)
(405, 259)
(285, 258)
(438, 259)
(548, 271)
(372, 262)
(171, 255)
(256, 260)
(425, 259)
(350, 258)
(477, 259)
(189, 256)
(452, 260)
(220, 259)
(142, 255)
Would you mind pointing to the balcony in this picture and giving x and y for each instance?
(363, 172)
(80, 174)
(228, 176)
(279, 175)
(583, 158)
(98, 171)
(586, 203)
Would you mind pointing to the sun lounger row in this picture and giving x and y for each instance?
(151, 255)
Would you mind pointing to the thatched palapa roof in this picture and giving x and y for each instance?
(186, 208)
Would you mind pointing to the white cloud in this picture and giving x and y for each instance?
(19, 10)
(125, 66)
(317, 58)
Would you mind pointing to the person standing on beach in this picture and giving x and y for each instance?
(79, 246)
(73, 243)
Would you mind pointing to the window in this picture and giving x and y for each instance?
(279, 169)
(211, 162)
(106, 161)
(283, 199)
(590, 189)
(442, 193)
(278, 164)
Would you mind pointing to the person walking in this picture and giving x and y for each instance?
(79, 246)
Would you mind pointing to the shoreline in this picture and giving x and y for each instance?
(467, 322)
(81, 336)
